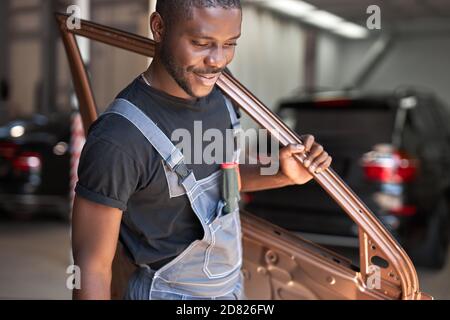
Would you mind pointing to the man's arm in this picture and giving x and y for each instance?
(252, 180)
(291, 171)
(95, 231)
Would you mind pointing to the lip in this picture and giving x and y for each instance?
(207, 79)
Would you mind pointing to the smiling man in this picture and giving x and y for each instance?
(134, 184)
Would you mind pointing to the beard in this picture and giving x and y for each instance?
(175, 71)
(179, 74)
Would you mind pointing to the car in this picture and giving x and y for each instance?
(277, 264)
(35, 166)
(392, 148)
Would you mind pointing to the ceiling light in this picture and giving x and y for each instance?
(311, 15)
(351, 30)
(294, 8)
(323, 19)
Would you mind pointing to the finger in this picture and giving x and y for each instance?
(318, 161)
(290, 150)
(316, 151)
(324, 165)
(308, 141)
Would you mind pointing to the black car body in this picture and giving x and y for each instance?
(393, 149)
(35, 166)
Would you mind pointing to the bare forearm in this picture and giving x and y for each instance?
(252, 180)
(95, 230)
(95, 284)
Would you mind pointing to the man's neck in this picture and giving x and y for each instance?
(161, 80)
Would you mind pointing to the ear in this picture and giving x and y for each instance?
(157, 26)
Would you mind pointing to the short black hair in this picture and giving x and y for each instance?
(173, 10)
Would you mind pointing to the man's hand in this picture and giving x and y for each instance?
(317, 160)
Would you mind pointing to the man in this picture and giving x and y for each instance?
(134, 183)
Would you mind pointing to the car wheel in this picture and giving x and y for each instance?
(432, 252)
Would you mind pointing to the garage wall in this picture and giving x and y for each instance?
(24, 56)
(113, 69)
(412, 61)
(329, 53)
(270, 55)
(24, 53)
(4, 59)
(418, 61)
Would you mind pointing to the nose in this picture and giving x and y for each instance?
(216, 58)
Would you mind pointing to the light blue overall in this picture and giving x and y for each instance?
(209, 268)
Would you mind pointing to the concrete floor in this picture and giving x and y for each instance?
(436, 283)
(34, 257)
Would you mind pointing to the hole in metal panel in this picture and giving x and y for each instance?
(336, 260)
(376, 260)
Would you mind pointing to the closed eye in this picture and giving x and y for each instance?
(199, 44)
(204, 45)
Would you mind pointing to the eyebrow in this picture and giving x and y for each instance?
(211, 38)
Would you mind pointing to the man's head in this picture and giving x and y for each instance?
(196, 40)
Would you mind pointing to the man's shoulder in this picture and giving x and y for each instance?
(113, 129)
(113, 126)
(116, 129)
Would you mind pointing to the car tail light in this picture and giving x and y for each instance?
(394, 204)
(8, 150)
(404, 211)
(247, 197)
(387, 165)
(333, 103)
(27, 162)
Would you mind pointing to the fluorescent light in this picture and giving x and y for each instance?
(351, 30)
(298, 9)
(311, 15)
(323, 19)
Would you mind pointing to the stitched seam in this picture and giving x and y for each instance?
(209, 250)
(200, 285)
(200, 183)
(198, 195)
(170, 264)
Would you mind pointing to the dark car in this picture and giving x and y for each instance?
(393, 149)
(35, 166)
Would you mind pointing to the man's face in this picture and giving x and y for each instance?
(196, 51)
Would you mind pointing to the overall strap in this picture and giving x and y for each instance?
(235, 123)
(172, 156)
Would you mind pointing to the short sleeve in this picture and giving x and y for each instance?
(107, 175)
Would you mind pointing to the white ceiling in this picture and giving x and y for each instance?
(396, 15)
(393, 12)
